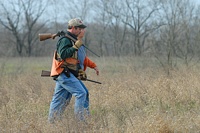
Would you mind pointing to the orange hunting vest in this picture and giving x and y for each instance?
(58, 65)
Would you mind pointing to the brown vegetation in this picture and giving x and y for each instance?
(136, 96)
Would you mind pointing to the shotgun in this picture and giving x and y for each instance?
(45, 36)
(48, 73)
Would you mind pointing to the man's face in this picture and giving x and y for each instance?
(77, 30)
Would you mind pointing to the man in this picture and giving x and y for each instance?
(67, 79)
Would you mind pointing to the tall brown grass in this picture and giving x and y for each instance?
(136, 96)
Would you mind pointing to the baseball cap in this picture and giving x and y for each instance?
(76, 22)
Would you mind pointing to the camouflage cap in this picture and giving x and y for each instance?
(76, 22)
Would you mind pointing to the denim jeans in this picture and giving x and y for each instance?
(64, 89)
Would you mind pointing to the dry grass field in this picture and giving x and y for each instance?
(136, 96)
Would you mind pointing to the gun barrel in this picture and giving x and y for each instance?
(93, 81)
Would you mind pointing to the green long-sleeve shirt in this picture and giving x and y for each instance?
(64, 48)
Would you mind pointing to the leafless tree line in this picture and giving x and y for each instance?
(165, 29)
(20, 19)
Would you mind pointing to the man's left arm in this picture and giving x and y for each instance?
(91, 64)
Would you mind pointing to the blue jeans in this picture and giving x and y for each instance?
(64, 89)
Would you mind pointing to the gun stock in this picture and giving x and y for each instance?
(45, 73)
(45, 36)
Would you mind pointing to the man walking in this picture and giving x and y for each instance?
(68, 68)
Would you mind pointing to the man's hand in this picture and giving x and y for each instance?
(97, 70)
(82, 75)
(81, 34)
(78, 44)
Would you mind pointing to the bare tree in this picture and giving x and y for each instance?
(187, 49)
(32, 12)
(117, 28)
(141, 18)
(20, 18)
(176, 38)
(102, 21)
(11, 22)
(109, 27)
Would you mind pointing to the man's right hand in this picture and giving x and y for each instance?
(81, 34)
(79, 42)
